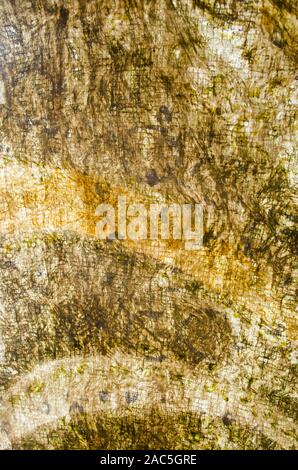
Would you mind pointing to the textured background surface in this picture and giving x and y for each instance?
(144, 345)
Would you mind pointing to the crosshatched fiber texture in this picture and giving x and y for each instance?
(125, 344)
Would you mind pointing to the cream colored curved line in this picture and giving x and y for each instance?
(122, 384)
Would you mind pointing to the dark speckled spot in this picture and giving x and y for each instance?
(131, 397)
(226, 419)
(166, 113)
(152, 178)
(64, 14)
(103, 396)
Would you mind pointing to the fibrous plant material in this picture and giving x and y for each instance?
(143, 344)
